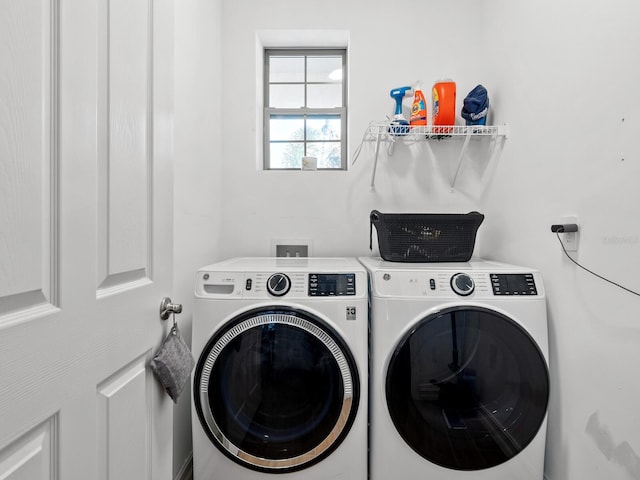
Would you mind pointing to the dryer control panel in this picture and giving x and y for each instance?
(454, 284)
(513, 284)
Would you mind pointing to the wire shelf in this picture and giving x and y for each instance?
(386, 129)
(389, 132)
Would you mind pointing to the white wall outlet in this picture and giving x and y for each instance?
(292, 250)
(570, 239)
(291, 247)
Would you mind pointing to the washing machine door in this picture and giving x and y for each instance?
(467, 388)
(276, 389)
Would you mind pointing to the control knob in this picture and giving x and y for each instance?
(278, 284)
(462, 284)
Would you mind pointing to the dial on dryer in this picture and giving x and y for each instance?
(462, 284)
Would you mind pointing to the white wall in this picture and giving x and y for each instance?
(569, 74)
(198, 147)
(388, 48)
(563, 75)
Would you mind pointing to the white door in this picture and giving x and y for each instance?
(85, 237)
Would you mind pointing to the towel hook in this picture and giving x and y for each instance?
(167, 308)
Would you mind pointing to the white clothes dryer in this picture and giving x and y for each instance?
(280, 383)
(459, 376)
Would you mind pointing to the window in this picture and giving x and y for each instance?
(305, 108)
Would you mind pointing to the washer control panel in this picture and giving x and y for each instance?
(286, 284)
(332, 284)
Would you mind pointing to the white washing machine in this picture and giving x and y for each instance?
(280, 383)
(459, 376)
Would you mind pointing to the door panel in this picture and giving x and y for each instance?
(85, 237)
(123, 414)
(125, 165)
(27, 150)
(32, 456)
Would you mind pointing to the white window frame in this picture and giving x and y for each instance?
(304, 111)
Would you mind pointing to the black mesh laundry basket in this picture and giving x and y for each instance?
(425, 237)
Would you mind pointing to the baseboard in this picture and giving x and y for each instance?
(186, 472)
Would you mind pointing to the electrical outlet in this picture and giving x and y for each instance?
(291, 247)
(570, 239)
(292, 250)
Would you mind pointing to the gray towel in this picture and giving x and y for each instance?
(173, 363)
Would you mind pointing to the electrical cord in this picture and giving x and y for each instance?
(591, 272)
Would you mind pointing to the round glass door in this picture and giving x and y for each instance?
(467, 388)
(276, 390)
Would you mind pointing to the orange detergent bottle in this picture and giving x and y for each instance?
(419, 108)
(444, 104)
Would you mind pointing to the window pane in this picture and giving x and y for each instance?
(286, 69)
(324, 69)
(328, 153)
(286, 155)
(324, 96)
(286, 128)
(286, 96)
(324, 128)
(305, 107)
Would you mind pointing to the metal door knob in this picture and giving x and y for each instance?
(167, 308)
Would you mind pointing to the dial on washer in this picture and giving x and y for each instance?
(278, 284)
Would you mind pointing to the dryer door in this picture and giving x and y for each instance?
(468, 388)
(276, 389)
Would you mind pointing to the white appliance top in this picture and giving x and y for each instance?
(377, 263)
(476, 279)
(277, 264)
